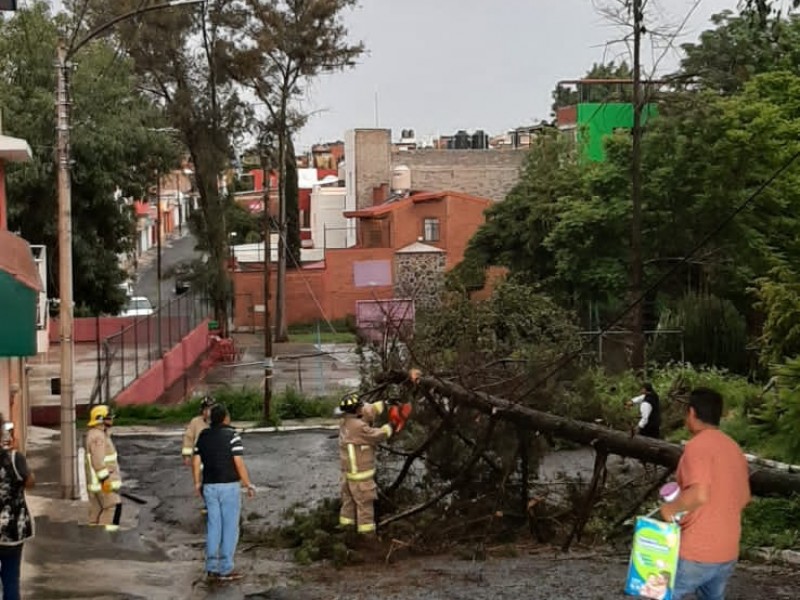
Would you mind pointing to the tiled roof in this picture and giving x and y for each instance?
(16, 260)
(417, 198)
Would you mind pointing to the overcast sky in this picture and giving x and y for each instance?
(442, 65)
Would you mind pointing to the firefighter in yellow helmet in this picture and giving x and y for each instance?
(102, 470)
(357, 442)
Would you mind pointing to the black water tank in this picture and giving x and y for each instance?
(480, 141)
(462, 141)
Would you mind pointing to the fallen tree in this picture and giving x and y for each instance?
(764, 481)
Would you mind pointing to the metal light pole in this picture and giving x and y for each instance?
(158, 264)
(69, 452)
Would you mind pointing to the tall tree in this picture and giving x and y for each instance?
(181, 58)
(735, 49)
(292, 42)
(112, 147)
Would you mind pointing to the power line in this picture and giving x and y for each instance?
(564, 361)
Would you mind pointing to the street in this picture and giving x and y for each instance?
(172, 252)
(160, 555)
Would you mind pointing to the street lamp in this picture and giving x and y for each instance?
(69, 452)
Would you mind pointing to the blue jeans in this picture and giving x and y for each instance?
(706, 580)
(10, 559)
(224, 504)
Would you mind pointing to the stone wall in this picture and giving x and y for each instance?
(420, 276)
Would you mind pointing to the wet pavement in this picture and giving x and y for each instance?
(160, 554)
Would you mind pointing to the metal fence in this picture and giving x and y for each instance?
(126, 355)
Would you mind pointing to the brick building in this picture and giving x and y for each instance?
(370, 162)
(403, 249)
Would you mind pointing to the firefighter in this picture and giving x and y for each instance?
(357, 442)
(102, 471)
(358, 439)
(196, 425)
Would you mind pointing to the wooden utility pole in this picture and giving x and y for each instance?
(69, 452)
(69, 448)
(637, 267)
(281, 333)
(268, 363)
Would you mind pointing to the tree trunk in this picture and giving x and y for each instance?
(763, 481)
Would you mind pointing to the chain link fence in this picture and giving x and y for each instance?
(127, 355)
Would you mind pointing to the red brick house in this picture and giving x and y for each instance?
(404, 247)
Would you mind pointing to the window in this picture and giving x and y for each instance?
(430, 230)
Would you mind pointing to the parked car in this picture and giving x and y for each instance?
(138, 306)
(183, 275)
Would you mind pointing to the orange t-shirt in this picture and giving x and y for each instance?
(711, 533)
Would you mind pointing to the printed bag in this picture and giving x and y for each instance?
(654, 559)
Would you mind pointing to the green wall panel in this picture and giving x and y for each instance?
(17, 318)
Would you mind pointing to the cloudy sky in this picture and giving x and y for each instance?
(442, 65)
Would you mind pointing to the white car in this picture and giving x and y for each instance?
(138, 306)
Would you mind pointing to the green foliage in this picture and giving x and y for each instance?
(112, 143)
(772, 522)
(778, 417)
(314, 535)
(294, 405)
(243, 403)
(737, 48)
(714, 333)
(779, 301)
(516, 322)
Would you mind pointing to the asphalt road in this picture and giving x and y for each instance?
(172, 253)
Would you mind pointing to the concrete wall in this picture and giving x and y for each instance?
(486, 173)
(368, 163)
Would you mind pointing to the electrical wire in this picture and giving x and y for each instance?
(559, 364)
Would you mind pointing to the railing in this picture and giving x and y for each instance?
(131, 352)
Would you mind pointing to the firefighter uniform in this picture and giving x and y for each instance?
(357, 445)
(196, 425)
(102, 471)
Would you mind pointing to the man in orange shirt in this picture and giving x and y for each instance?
(714, 481)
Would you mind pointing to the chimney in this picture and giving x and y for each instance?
(380, 194)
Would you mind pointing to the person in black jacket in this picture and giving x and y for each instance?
(649, 424)
(16, 521)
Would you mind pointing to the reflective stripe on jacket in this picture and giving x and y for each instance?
(101, 461)
(357, 442)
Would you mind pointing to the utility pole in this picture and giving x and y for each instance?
(69, 453)
(637, 267)
(69, 448)
(158, 264)
(265, 170)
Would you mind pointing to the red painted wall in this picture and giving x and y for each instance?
(151, 385)
(85, 329)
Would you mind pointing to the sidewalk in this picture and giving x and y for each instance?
(67, 559)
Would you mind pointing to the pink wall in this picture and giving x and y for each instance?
(85, 329)
(150, 386)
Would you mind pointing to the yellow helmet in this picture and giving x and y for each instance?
(99, 414)
(350, 402)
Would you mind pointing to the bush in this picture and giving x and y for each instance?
(714, 333)
(294, 405)
(772, 522)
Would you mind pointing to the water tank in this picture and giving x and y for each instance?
(480, 141)
(462, 141)
(401, 179)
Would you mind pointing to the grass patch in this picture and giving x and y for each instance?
(244, 404)
(294, 405)
(325, 337)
